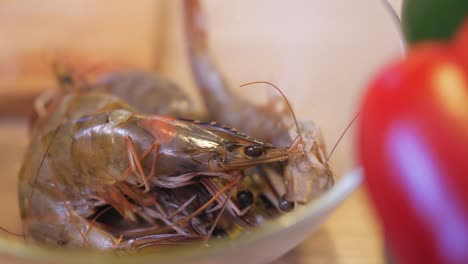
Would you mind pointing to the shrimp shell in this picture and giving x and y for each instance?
(77, 165)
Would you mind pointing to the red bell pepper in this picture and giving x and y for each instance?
(413, 144)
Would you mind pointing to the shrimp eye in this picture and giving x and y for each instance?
(254, 151)
(285, 205)
(245, 198)
(219, 233)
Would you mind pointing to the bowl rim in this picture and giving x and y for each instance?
(328, 201)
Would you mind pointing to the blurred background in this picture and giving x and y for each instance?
(321, 53)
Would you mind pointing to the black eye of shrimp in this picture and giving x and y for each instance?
(245, 198)
(254, 151)
(285, 205)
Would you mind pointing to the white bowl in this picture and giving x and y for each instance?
(266, 243)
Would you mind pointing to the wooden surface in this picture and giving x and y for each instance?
(84, 33)
(322, 52)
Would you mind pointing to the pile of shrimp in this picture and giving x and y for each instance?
(120, 164)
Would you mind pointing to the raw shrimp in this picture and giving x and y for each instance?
(147, 93)
(306, 175)
(93, 165)
(78, 99)
(115, 159)
(144, 92)
(74, 105)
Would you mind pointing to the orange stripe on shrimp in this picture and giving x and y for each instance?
(161, 127)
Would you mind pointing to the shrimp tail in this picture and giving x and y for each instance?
(208, 78)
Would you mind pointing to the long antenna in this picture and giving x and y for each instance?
(341, 136)
(11, 233)
(287, 103)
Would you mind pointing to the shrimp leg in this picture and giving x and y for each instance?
(231, 187)
(144, 199)
(91, 224)
(218, 217)
(212, 187)
(151, 230)
(116, 195)
(135, 161)
(116, 198)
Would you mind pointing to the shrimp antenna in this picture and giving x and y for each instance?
(9, 232)
(287, 103)
(341, 136)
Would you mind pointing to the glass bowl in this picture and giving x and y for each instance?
(320, 53)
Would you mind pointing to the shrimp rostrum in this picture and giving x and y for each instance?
(116, 160)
